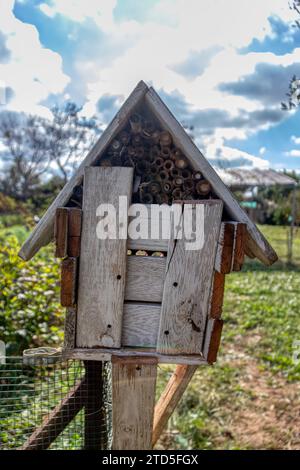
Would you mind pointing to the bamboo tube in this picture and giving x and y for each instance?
(147, 178)
(154, 152)
(177, 193)
(148, 129)
(168, 165)
(186, 174)
(124, 137)
(203, 187)
(178, 181)
(142, 166)
(167, 187)
(135, 121)
(163, 175)
(161, 198)
(165, 153)
(165, 139)
(188, 185)
(140, 151)
(146, 198)
(116, 145)
(137, 140)
(159, 162)
(197, 176)
(181, 162)
(154, 187)
(155, 137)
(153, 170)
(131, 151)
(175, 172)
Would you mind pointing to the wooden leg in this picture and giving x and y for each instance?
(134, 382)
(57, 420)
(95, 418)
(170, 398)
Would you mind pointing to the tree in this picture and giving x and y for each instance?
(35, 147)
(294, 85)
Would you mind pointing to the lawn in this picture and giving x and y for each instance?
(251, 397)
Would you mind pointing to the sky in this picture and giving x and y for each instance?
(222, 66)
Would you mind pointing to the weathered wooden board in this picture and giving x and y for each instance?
(224, 255)
(170, 398)
(68, 282)
(61, 232)
(43, 232)
(256, 242)
(140, 324)
(94, 416)
(217, 297)
(239, 247)
(74, 232)
(70, 328)
(212, 339)
(187, 288)
(102, 270)
(105, 354)
(133, 400)
(145, 278)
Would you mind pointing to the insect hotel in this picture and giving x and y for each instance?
(139, 301)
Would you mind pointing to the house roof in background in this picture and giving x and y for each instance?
(242, 178)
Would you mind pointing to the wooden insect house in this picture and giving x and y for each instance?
(138, 301)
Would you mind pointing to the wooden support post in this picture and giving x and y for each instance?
(74, 232)
(133, 387)
(95, 433)
(61, 232)
(170, 398)
(58, 419)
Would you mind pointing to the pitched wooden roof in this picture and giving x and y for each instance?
(257, 245)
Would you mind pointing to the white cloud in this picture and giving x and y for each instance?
(262, 150)
(295, 140)
(32, 71)
(293, 153)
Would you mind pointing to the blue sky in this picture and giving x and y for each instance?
(222, 66)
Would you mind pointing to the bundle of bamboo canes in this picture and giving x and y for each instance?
(162, 172)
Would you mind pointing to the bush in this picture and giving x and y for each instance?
(30, 314)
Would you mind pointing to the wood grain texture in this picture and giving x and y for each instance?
(224, 255)
(74, 232)
(239, 248)
(61, 232)
(102, 270)
(68, 282)
(43, 232)
(105, 354)
(70, 328)
(255, 239)
(140, 324)
(133, 400)
(170, 398)
(187, 288)
(217, 298)
(145, 278)
(212, 339)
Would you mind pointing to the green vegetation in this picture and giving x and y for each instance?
(249, 399)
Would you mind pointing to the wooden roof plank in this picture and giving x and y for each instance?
(256, 242)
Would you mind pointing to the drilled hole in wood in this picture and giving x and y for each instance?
(119, 277)
(175, 284)
(108, 326)
(166, 332)
(138, 367)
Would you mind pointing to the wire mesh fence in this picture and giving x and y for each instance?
(64, 404)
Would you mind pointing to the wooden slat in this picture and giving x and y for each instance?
(68, 282)
(187, 287)
(105, 354)
(140, 324)
(102, 270)
(217, 298)
(257, 243)
(170, 398)
(133, 400)
(224, 255)
(74, 232)
(61, 232)
(43, 232)
(145, 278)
(239, 248)
(70, 328)
(58, 419)
(212, 339)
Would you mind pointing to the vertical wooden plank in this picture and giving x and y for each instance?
(170, 398)
(61, 232)
(217, 297)
(68, 282)
(212, 339)
(187, 288)
(74, 232)
(95, 420)
(224, 255)
(133, 397)
(70, 328)
(102, 269)
(239, 249)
